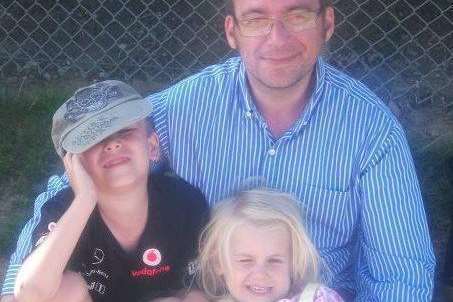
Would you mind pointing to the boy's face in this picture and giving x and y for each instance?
(121, 161)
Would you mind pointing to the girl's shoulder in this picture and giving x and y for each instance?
(315, 292)
(325, 294)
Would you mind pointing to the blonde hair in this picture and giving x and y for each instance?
(262, 207)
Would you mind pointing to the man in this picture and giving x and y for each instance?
(280, 115)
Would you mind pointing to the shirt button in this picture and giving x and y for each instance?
(271, 152)
(248, 114)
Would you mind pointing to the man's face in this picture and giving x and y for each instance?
(282, 58)
(122, 160)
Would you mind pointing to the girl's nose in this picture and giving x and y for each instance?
(260, 271)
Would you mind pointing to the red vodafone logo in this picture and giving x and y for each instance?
(152, 257)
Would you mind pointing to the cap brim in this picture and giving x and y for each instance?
(99, 127)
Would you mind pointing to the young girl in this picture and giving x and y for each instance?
(255, 249)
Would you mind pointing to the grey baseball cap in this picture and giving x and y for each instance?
(95, 112)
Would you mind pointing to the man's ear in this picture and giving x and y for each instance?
(329, 22)
(153, 145)
(229, 31)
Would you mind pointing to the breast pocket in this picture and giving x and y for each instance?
(330, 216)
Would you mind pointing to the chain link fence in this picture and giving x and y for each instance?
(402, 49)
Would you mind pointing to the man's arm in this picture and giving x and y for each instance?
(41, 274)
(24, 243)
(396, 259)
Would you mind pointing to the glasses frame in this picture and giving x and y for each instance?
(271, 25)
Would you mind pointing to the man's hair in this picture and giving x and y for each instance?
(229, 8)
(268, 209)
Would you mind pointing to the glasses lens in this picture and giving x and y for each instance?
(255, 27)
(300, 20)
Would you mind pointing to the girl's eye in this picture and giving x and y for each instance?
(245, 260)
(275, 260)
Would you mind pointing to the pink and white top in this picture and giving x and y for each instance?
(314, 292)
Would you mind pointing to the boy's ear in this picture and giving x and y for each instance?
(153, 144)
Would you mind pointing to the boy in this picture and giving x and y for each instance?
(116, 234)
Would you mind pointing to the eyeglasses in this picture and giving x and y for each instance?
(294, 22)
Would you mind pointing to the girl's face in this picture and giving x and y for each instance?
(259, 264)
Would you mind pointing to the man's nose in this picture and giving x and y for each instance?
(279, 33)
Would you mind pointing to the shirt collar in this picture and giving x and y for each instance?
(246, 100)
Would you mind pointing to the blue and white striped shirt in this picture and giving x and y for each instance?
(346, 159)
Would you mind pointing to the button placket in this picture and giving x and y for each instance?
(272, 151)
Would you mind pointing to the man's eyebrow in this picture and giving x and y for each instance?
(289, 9)
(252, 11)
(297, 7)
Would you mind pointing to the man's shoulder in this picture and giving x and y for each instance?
(353, 92)
(227, 68)
(211, 78)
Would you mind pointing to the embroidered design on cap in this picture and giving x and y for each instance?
(93, 131)
(152, 257)
(90, 99)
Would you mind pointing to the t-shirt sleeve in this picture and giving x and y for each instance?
(198, 216)
(189, 213)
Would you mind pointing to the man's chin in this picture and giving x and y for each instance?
(281, 83)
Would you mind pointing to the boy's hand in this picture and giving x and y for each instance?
(81, 182)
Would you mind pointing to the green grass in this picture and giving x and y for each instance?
(27, 156)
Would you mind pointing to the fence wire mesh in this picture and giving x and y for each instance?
(402, 49)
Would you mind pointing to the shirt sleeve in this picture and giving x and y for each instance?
(396, 260)
(25, 242)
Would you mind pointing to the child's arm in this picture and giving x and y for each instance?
(7, 298)
(41, 274)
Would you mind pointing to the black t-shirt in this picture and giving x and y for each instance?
(165, 252)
